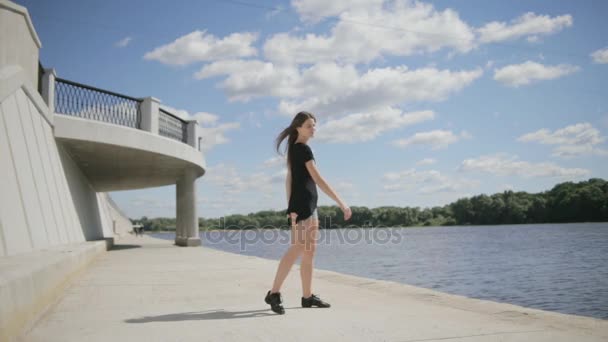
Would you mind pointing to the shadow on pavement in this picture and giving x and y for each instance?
(204, 315)
(120, 247)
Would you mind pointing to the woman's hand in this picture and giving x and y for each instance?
(347, 212)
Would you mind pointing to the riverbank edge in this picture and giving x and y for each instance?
(482, 306)
(593, 327)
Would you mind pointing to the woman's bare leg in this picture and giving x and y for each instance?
(290, 257)
(311, 228)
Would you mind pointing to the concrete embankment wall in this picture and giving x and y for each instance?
(45, 199)
(36, 205)
(114, 221)
(52, 222)
(20, 44)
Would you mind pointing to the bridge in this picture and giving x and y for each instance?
(124, 143)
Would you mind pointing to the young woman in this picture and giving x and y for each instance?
(301, 185)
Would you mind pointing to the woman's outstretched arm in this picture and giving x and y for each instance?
(316, 176)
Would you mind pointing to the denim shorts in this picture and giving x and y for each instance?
(315, 215)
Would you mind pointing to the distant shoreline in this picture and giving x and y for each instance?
(400, 227)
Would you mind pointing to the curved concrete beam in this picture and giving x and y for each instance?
(121, 158)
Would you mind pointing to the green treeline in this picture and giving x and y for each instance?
(585, 201)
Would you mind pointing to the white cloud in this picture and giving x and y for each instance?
(274, 162)
(581, 133)
(330, 89)
(150, 202)
(216, 135)
(425, 182)
(225, 177)
(426, 161)
(231, 182)
(123, 42)
(198, 46)
(506, 165)
(204, 118)
(600, 56)
(368, 30)
(528, 25)
(367, 126)
(211, 131)
(315, 10)
(252, 118)
(248, 79)
(230, 66)
(436, 139)
(573, 140)
(521, 74)
(375, 89)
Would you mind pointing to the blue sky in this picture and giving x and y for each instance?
(418, 103)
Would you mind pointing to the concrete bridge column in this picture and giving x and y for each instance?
(186, 215)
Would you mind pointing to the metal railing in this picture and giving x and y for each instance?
(88, 102)
(171, 126)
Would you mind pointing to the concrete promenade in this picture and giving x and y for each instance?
(147, 289)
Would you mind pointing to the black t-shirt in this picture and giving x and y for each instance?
(303, 199)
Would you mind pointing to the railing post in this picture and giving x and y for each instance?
(193, 133)
(48, 88)
(149, 114)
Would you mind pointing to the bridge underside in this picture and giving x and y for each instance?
(114, 157)
(113, 168)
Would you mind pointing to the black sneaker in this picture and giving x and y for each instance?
(314, 301)
(275, 300)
